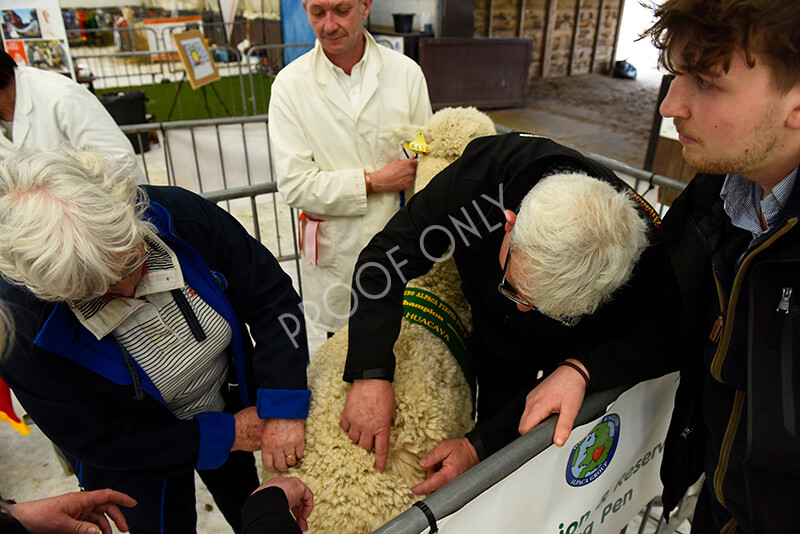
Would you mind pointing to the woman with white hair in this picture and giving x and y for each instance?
(135, 312)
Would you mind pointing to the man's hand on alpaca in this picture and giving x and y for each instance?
(368, 412)
(445, 462)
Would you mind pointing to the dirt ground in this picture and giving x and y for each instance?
(598, 113)
(621, 105)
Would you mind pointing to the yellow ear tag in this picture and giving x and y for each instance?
(418, 145)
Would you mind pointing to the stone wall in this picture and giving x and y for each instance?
(558, 31)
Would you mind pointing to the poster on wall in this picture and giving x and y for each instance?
(34, 35)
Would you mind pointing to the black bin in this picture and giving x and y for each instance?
(128, 108)
(403, 22)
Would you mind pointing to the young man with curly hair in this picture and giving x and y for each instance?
(735, 254)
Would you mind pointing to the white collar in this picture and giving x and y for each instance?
(103, 314)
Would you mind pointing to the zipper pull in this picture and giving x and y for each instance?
(783, 304)
(716, 329)
(776, 326)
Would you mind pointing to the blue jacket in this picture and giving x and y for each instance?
(103, 410)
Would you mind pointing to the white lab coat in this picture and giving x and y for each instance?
(321, 147)
(51, 110)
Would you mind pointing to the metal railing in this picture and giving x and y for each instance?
(243, 87)
(637, 177)
(110, 39)
(493, 469)
(150, 59)
(224, 160)
(251, 192)
(124, 69)
(269, 60)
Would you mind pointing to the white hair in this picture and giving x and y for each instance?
(69, 222)
(579, 239)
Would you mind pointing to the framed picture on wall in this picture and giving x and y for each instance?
(197, 61)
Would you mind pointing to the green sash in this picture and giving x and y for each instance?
(424, 308)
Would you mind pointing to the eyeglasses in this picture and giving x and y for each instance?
(507, 290)
(138, 265)
(129, 270)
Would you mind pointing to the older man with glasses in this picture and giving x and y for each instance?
(148, 339)
(549, 294)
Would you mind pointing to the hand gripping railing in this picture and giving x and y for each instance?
(493, 469)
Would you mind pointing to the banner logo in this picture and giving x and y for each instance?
(591, 456)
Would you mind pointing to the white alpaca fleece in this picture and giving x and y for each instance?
(448, 133)
(433, 398)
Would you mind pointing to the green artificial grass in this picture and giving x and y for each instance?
(205, 102)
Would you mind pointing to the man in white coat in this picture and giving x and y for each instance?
(331, 115)
(40, 109)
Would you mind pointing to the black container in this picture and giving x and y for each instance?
(403, 22)
(128, 108)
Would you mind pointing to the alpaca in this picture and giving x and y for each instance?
(434, 401)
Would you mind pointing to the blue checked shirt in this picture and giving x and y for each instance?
(744, 205)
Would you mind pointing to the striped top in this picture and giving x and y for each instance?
(743, 203)
(188, 372)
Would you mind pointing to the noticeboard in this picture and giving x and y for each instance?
(197, 61)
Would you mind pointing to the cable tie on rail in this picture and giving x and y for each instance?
(428, 515)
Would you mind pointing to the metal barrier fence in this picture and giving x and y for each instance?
(637, 178)
(243, 87)
(119, 39)
(482, 477)
(229, 162)
(217, 155)
(143, 37)
(124, 69)
(493, 469)
(111, 69)
(274, 55)
(216, 159)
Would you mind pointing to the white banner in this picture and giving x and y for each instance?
(602, 477)
(34, 35)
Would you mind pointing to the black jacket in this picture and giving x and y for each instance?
(9, 525)
(267, 512)
(740, 379)
(463, 207)
(264, 512)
